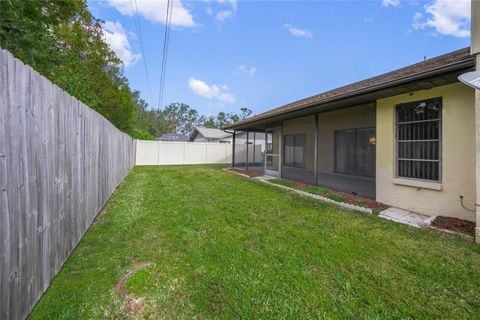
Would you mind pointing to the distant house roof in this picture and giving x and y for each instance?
(387, 82)
(209, 133)
(173, 137)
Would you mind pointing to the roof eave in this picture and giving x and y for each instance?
(457, 66)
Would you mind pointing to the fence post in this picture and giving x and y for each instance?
(184, 151)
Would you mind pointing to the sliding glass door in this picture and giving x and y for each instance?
(355, 152)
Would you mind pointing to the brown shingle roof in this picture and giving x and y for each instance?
(447, 62)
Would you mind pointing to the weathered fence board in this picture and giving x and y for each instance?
(60, 161)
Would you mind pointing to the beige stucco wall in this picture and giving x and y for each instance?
(458, 156)
(303, 125)
(328, 122)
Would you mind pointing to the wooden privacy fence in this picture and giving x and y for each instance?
(165, 152)
(59, 163)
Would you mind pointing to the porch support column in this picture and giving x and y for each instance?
(265, 152)
(233, 148)
(280, 151)
(475, 50)
(315, 150)
(246, 152)
(254, 137)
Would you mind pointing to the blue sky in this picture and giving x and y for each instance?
(228, 54)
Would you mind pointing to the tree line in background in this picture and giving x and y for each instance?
(65, 43)
(181, 118)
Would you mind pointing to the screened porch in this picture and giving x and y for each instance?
(334, 149)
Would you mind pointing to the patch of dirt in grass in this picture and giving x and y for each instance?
(217, 301)
(133, 306)
(454, 224)
(298, 184)
(253, 244)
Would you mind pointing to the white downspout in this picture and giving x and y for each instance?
(475, 50)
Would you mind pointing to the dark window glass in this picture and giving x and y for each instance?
(355, 152)
(365, 152)
(419, 139)
(345, 151)
(294, 150)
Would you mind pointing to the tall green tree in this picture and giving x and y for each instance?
(223, 119)
(245, 113)
(180, 117)
(208, 122)
(151, 122)
(65, 43)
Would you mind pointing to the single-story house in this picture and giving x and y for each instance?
(405, 138)
(200, 134)
(173, 137)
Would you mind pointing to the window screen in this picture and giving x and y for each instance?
(419, 139)
(294, 150)
(240, 155)
(355, 152)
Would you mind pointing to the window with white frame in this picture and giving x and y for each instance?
(419, 139)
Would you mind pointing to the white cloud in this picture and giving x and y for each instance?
(298, 32)
(155, 11)
(447, 17)
(390, 3)
(232, 3)
(369, 18)
(116, 38)
(223, 15)
(226, 9)
(245, 70)
(214, 91)
(417, 21)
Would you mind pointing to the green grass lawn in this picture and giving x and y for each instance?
(223, 246)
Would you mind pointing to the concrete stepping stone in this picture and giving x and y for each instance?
(407, 217)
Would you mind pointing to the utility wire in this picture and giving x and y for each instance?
(166, 39)
(140, 39)
(165, 52)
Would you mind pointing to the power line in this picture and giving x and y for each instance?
(166, 39)
(165, 53)
(140, 39)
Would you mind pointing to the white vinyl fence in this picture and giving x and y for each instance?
(166, 152)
